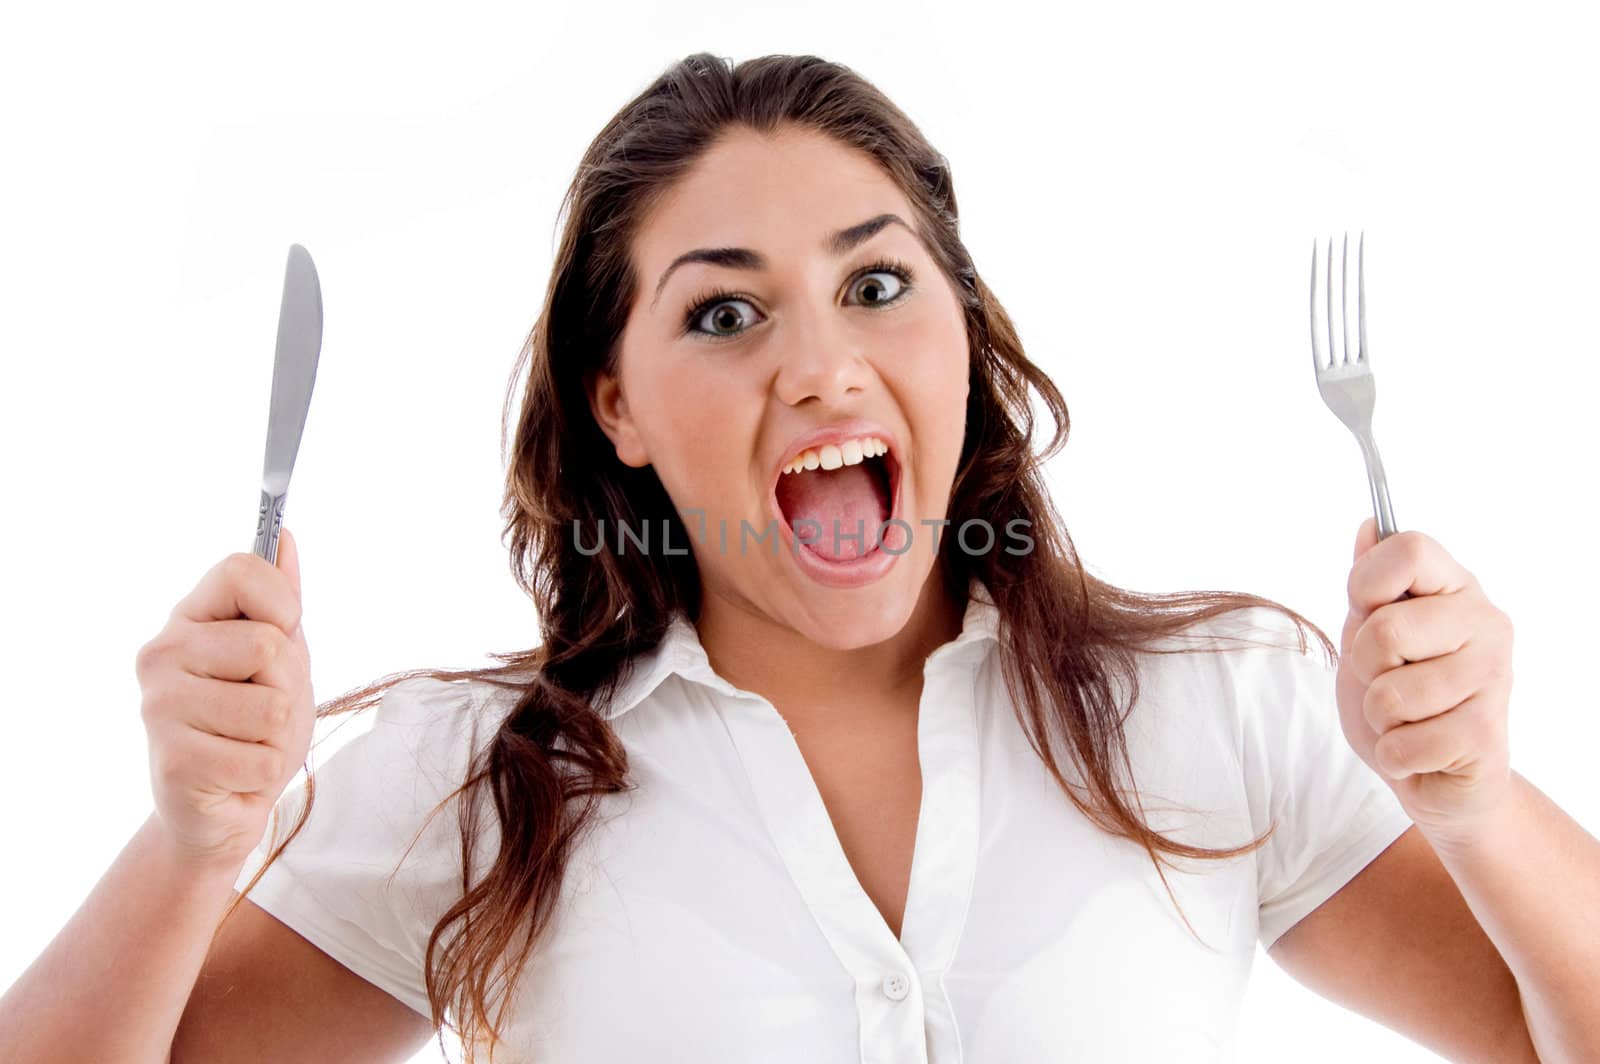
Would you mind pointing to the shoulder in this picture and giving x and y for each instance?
(430, 727)
(442, 707)
(1251, 678)
(1239, 649)
(1247, 652)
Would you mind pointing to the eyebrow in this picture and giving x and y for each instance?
(745, 259)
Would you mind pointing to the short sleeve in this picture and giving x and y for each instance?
(347, 882)
(1334, 814)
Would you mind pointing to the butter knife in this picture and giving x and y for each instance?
(294, 373)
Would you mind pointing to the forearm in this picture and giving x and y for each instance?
(112, 986)
(1533, 881)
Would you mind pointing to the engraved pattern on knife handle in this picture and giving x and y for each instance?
(268, 523)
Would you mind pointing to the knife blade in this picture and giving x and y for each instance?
(294, 374)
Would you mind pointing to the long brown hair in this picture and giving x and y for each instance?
(553, 757)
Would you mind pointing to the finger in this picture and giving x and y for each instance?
(1404, 562)
(1423, 689)
(248, 712)
(1366, 536)
(1449, 742)
(289, 559)
(229, 765)
(243, 585)
(240, 650)
(1412, 630)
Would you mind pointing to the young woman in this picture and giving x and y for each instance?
(833, 750)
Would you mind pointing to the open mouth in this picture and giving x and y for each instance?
(835, 497)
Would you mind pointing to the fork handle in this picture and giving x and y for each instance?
(1381, 507)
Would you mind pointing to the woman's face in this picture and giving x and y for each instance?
(816, 346)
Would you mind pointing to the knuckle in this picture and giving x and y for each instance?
(149, 657)
(152, 707)
(1400, 749)
(277, 711)
(1383, 704)
(160, 701)
(263, 644)
(1416, 544)
(1388, 629)
(239, 769)
(269, 770)
(238, 567)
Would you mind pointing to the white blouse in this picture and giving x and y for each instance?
(711, 914)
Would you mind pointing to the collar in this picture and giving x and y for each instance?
(681, 653)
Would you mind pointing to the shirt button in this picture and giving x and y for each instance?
(896, 986)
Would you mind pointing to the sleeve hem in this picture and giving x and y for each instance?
(1387, 823)
(278, 894)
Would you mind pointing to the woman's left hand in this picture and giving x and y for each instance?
(1424, 684)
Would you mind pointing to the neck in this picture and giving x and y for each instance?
(756, 653)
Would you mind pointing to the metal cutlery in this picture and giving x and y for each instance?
(294, 374)
(1346, 383)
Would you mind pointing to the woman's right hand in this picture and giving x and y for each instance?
(227, 706)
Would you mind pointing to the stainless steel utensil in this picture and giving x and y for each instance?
(1346, 383)
(294, 374)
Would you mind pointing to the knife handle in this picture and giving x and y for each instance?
(268, 522)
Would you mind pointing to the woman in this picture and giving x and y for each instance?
(775, 788)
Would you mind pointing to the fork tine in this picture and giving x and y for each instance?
(1333, 352)
(1316, 347)
(1361, 292)
(1344, 297)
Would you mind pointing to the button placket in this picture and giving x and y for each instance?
(887, 968)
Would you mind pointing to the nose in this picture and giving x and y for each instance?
(822, 360)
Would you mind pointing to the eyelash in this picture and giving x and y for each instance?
(711, 297)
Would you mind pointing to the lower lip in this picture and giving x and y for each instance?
(857, 572)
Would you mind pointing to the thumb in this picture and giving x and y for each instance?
(1366, 536)
(289, 558)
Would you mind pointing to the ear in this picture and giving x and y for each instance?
(611, 412)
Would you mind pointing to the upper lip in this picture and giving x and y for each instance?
(836, 433)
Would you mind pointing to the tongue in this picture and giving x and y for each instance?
(848, 495)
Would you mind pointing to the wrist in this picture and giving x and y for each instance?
(1488, 834)
(198, 865)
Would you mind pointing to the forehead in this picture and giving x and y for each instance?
(783, 188)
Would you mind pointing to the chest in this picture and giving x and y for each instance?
(739, 904)
(870, 782)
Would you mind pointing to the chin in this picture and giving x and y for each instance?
(844, 619)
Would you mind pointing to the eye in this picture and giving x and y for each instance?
(713, 305)
(902, 281)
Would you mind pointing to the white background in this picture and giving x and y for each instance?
(1141, 186)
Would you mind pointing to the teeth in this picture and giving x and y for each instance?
(832, 456)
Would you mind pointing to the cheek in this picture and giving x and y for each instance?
(933, 388)
(698, 441)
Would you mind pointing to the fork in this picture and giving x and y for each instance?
(1346, 383)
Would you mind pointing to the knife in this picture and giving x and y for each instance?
(294, 373)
